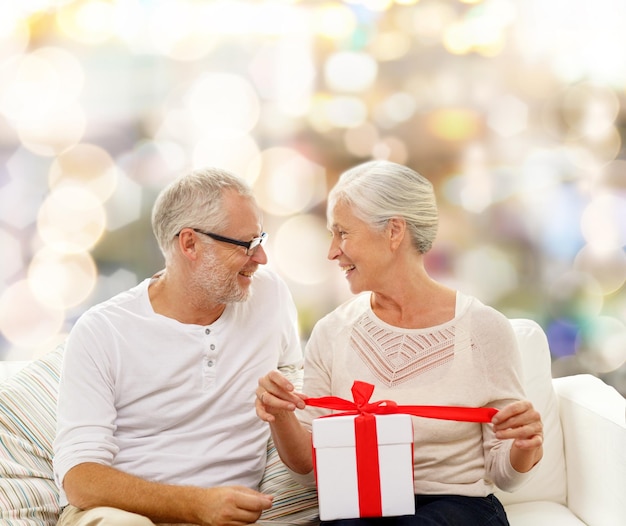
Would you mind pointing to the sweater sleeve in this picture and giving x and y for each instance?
(502, 371)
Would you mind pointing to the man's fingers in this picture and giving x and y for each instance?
(248, 499)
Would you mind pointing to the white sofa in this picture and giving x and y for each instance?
(581, 480)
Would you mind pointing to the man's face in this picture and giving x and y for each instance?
(224, 272)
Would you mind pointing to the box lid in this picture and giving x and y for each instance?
(338, 431)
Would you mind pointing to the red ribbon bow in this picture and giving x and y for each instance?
(366, 440)
(362, 391)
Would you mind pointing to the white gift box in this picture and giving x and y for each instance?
(334, 444)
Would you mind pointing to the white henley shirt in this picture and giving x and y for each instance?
(173, 402)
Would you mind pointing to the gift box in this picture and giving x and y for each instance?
(364, 455)
(364, 465)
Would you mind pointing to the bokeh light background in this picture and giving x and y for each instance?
(515, 109)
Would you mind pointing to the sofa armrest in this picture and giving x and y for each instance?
(593, 417)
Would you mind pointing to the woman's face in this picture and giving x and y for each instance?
(362, 253)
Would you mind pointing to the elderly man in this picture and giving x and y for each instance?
(156, 417)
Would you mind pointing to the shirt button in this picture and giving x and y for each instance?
(212, 347)
(209, 363)
(207, 331)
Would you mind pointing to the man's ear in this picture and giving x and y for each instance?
(187, 242)
(397, 230)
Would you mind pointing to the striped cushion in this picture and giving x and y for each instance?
(293, 503)
(28, 494)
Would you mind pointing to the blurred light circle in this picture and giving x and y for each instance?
(288, 183)
(176, 126)
(398, 107)
(487, 273)
(124, 206)
(427, 21)
(542, 173)
(24, 320)
(606, 145)
(507, 115)
(603, 222)
(23, 191)
(178, 30)
(360, 140)
(591, 154)
(334, 20)
(54, 131)
(613, 176)
(345, 112)
(29, 86)
(11, 251)
(68, 69)
(377, 5)
(88, 21)
(390, 45)
(608, 266)
(317, 116)
(153, 163)
(590, 109)
(14, 34)
(601, 344)
(87, 166)
(301, 245)
(280, 19)
(236, 154)
(61, 281)
(188, 46)
(457, 38)
(38, 95)
(284, 72)
(71, 220)
(350, 71)
(223, 105)
(169, 153)
(391, 149)
(454, 124)
(481, 30)
(575, 296)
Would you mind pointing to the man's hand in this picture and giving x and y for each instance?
(232, 506)
(90, 485)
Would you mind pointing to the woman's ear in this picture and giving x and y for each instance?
(397, 230)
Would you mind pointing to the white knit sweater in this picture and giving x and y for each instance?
(472, 360)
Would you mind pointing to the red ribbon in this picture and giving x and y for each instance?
(366, 440)
(362, 391)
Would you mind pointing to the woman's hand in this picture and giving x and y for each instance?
(275, 395)
(276, 402)
(522, 423)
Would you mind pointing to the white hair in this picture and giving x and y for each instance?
(194, 200)
(380, 190)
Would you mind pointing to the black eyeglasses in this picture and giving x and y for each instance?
(250, 246)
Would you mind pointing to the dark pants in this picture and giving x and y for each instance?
(441, 510)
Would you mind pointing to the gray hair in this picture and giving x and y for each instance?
(380, 190)
(194, 201)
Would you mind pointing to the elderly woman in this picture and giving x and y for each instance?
(420, 343)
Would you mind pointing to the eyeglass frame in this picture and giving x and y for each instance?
(253, 244)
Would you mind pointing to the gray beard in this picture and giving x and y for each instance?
(215, 285)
